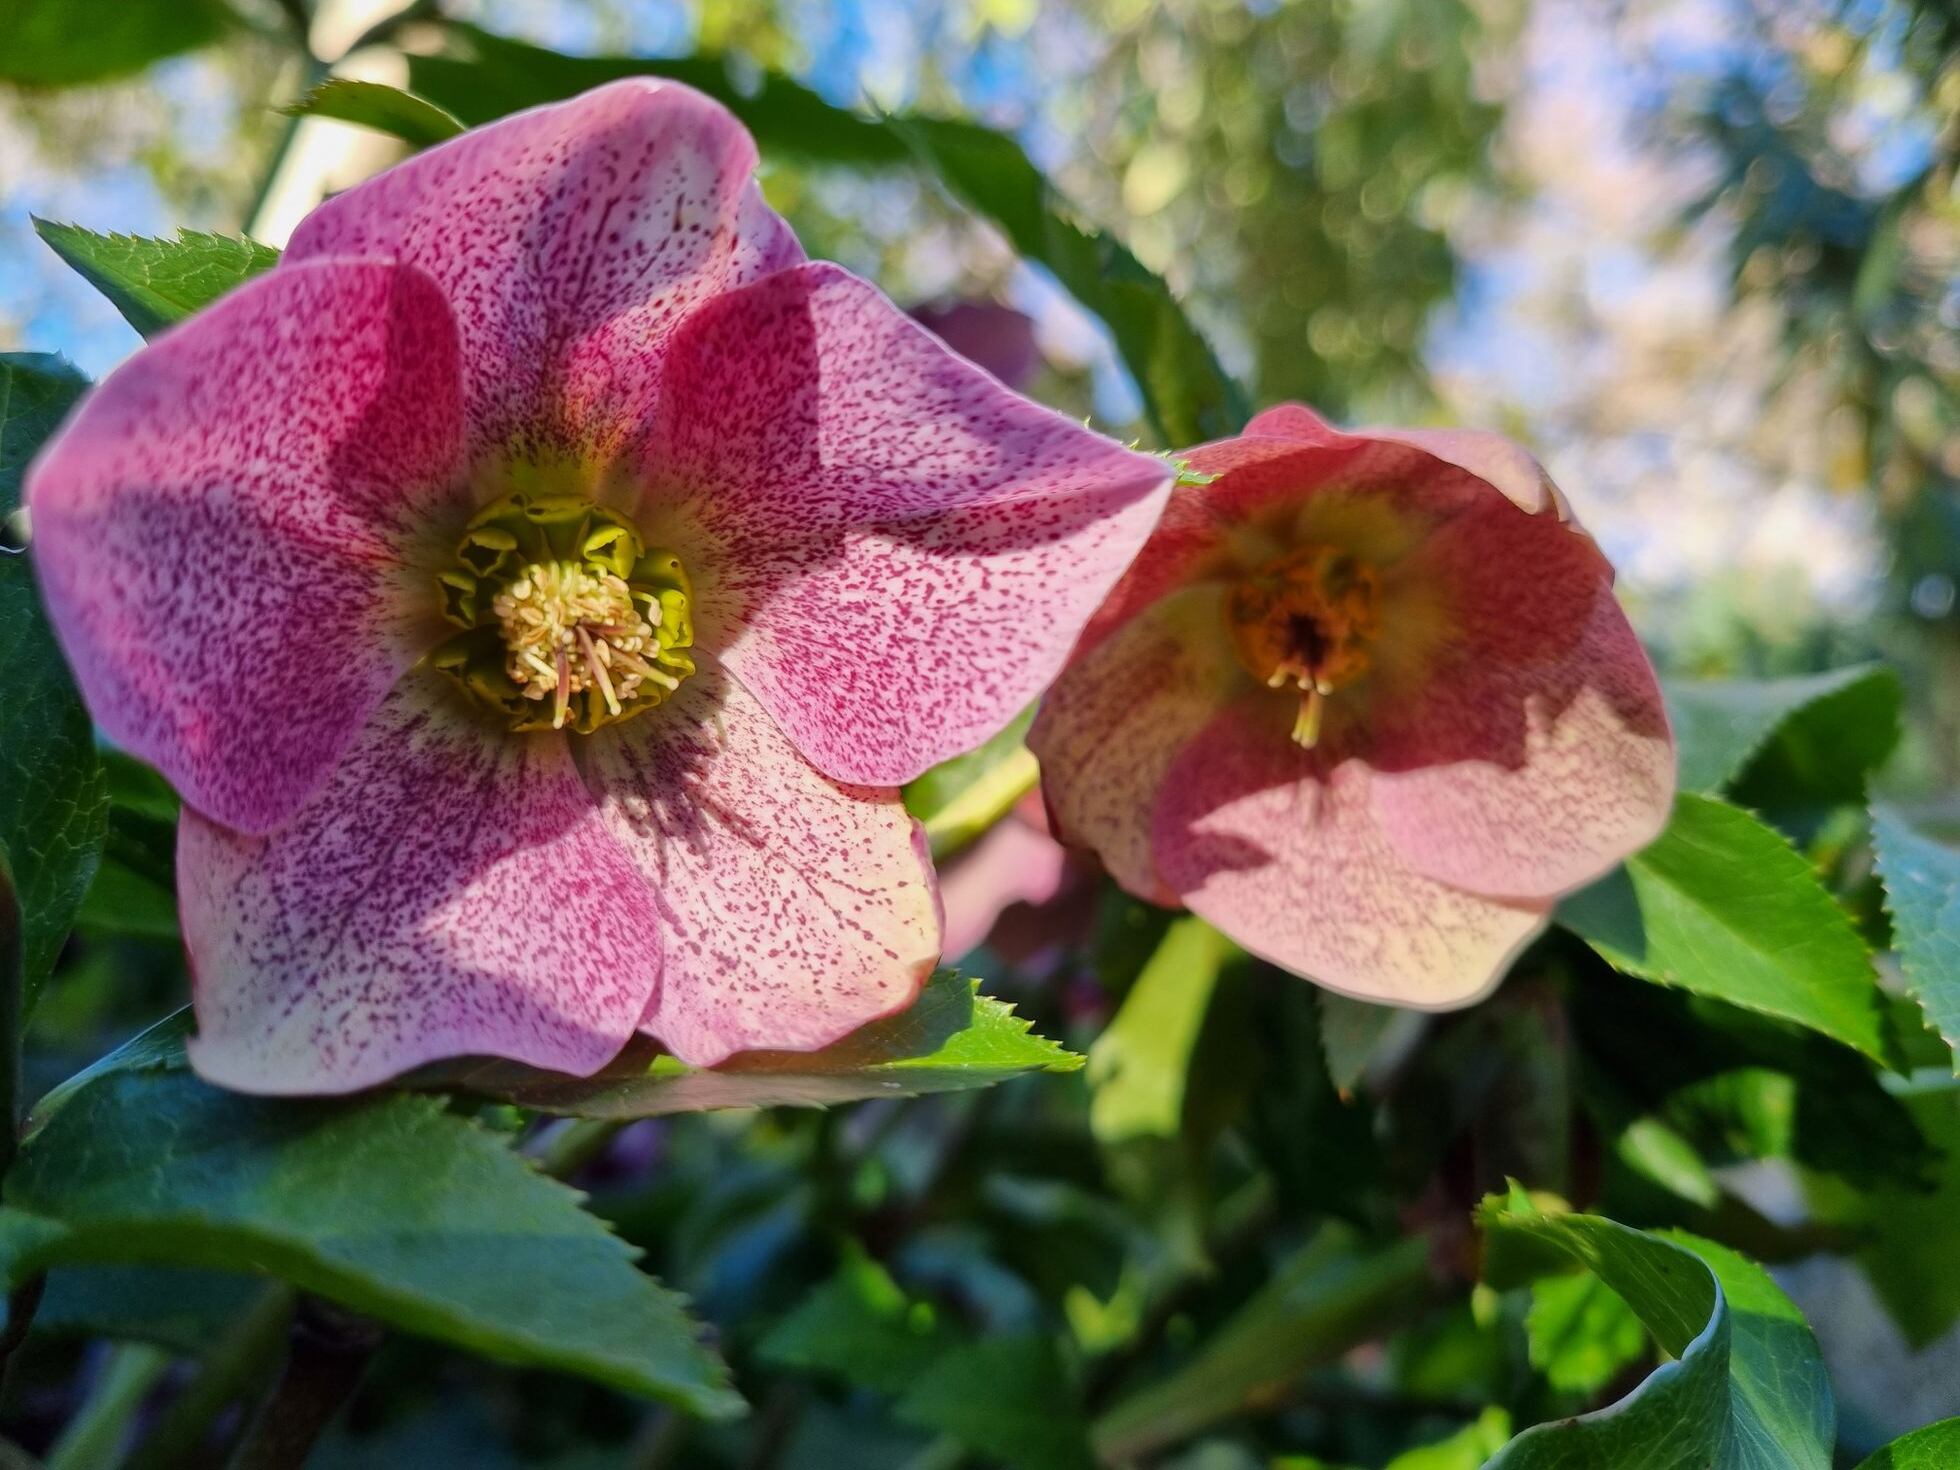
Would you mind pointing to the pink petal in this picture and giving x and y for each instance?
(1109, 729)
(792, 910)
(570, 240)
(453, 891)
(1015, 863)
(1282, 854)
(220, 531)
(891, 550)
(1572, 768)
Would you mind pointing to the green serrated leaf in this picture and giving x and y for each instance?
(1922, 894)
(1747, 1389)
(951, 1039)
(156, 283)
(389, 1205)
(1187, 396)
(1721, 727)
(36, 391)
(1008, 1398)
(1335, 1292)
(1936, 1447)
(415, 120)
(47, 43)
(1137, 1067)
(1722, 905)
(861, 1326)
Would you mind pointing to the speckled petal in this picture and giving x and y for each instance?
(1111, 726)
(1582, 770)
(570, 240)
(220, 531)
(1283, 855)
(891, 550)
(792, 910)
(453, 891)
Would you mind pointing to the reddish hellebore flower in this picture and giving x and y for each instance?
(536, 586)
(1366, 703)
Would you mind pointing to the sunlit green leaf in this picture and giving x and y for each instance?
(1722, 905)
(959, 799)
(1722, 728)
(156, 283)
(415, 120)
(1936, 1447)
(1137, 1066)
(951, 1039)
(1581, 1332)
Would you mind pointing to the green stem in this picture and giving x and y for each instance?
(577, 1144)
(234, 1366)
(96, 1434)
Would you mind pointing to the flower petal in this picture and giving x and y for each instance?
(793, 910)
(453, 891)
(570, 239)
(221, 530)
(1111, 726)
(1575, 766)
(891, 550)
(1282, 854)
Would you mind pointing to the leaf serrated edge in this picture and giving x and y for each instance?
(1908, 968)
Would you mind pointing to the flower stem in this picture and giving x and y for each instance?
(230, 1370)
(329, 1351)
(96, 1433)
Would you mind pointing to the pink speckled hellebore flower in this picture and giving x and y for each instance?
(536, 586)
(1366, 703)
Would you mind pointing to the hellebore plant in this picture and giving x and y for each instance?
(537, 585)
(1366, 703)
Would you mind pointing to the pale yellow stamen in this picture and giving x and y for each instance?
(567, 626)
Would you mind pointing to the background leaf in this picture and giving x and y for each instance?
(1009, 1398)
(48, 43)
(1137, 1066)
(390, 1206)
(1722, 729)
(1936, 1447)
(157, 283)
(414, 120)
(1722, 905)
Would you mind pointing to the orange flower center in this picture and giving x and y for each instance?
(1307, 619)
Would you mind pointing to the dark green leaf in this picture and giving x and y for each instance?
(1922, 894)
(1824, 752)
(1747, 1389)
(1008, 1398)
(389, 1205)
(56, 43)
(1336, 1292)
(860, 1326)
(1138, 1065)
(1351, 1034)
(950, 1040)
(156, 283)
(414, 120)
(36, 391)
(1721, 729)
(1722, 905)
(1936, 1447)
(182, 1310)
(1186, 394)
(53, 809)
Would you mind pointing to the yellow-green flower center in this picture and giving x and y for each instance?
(1308, 619)
(569, 620)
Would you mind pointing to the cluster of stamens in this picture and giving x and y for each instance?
(1307, 619)
(568, 619)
